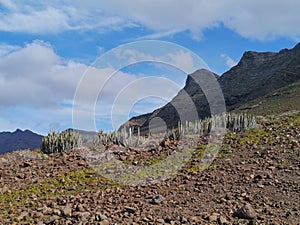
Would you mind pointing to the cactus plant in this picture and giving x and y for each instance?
(232, 121)
(60, 142)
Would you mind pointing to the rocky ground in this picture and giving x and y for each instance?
(255, 179)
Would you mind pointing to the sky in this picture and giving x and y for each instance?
(92, 65)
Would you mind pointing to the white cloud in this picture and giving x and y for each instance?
(37, 87)
(184, 60)
(36, 75)
(8, 4)
(265, 19)
(229, 61)
(44, 18)
(251, 19)
(6, 49)
(159, 35)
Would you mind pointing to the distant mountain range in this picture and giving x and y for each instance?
(19, 140)
(256, 75)
(86, 136)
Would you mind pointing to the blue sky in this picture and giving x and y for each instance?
(47, 48)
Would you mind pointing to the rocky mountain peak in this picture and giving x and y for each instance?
(18, 131)
(257, 74)
(252, 59)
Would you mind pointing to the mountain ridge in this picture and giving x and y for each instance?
(256, 74)
(19, 140)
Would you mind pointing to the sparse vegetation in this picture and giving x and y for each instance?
(272, 148)
(277, 102)
(60, 142)
(231, 121)
(72, 183)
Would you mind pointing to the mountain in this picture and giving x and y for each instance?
(279, 101)
(87, 136)
(256, 75)
(19, 140)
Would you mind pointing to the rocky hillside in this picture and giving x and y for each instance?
(256, 75)
(18, 140)
(281, 100)
(254, 179)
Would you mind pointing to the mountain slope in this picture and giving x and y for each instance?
(280, 101)
(256, 75)
(19, 140)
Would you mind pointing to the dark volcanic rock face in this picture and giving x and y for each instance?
(189, 104)
(254, 76)
(258, 74)
(19, 140)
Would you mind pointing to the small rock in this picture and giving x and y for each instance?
(84, 216)
(100, 217)
(26, 164)
(160, 221)
(67, 211)
(57, 212)
(123, 157)
(146, 219)
(214, 217)
(81, 163)
(21, 176)
(46, 210)
(257, 178)
(130, 209)
(157, 199)
(38, 214)
(260, 185)
(81, 208)
(5, 190)
(104, 222)
(195, 219)
(23, 215)
(52, 219)
(76, 214)
(167, 220)
(222, 220)
(245, 212)
(68, 222)
(184, 220)
(103, 217)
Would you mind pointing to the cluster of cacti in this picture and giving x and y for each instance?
(231, 121)
(107, 138)
(239, 122)
(125, 137)
(60, 142)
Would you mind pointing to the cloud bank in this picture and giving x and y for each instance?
(262, 20)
